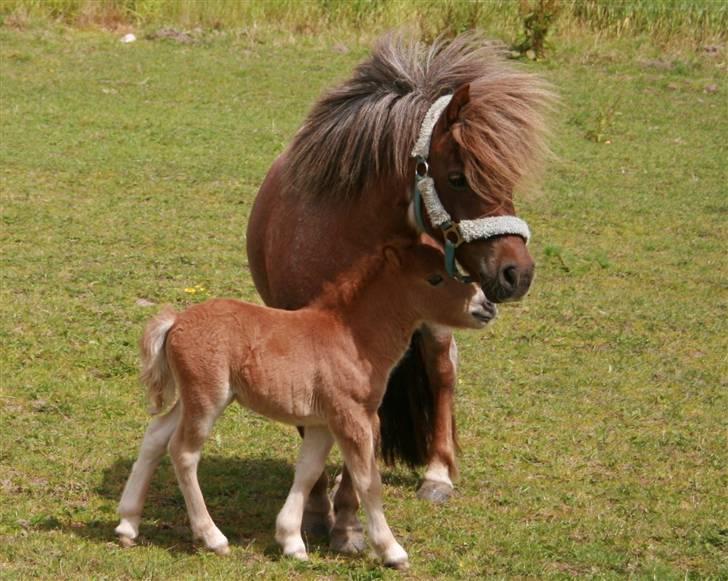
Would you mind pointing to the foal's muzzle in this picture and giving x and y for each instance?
(483, 311)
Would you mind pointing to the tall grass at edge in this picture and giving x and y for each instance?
(691, 19)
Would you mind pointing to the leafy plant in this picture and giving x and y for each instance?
(538, 16)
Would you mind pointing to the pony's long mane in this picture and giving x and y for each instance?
(363, 130)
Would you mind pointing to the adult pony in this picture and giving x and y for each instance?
(345, 185)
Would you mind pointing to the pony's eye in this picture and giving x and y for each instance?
(435, 279)
(457, 180)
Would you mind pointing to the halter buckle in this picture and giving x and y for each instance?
(451, 232)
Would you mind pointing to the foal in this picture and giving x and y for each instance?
(324, 367)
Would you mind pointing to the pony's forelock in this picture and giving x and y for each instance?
(502, 133)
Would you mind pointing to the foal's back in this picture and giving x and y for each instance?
(277, 363)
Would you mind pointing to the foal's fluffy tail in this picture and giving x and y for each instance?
(156, 374)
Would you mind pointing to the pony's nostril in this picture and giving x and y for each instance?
(509, 276)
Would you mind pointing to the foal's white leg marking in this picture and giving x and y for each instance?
(362, 466)
(151, 451)
(316, 445)
(185, 448)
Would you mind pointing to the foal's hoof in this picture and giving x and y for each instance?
(213, 541)
(398, 565)
(222, 550)
(396, 558)
(126, 542)
(127, 531)
(349, 541)
(297, 555)
(437, 492)
(316, 525)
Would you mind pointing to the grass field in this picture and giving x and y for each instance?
(592, 415)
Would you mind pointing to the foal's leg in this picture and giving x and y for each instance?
(440, 353)
(318, 515)
(347, 534)
(151, 451)
(317, 442)
(185, 449)
(355, 437)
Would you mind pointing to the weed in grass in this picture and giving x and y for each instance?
(602, 123)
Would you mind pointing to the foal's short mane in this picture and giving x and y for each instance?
(343, 291)
(363, 130)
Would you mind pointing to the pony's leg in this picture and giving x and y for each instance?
(347, 534)
(185, 450)
(356, 439)
(317, 442)
(440, 354)
(152, 449)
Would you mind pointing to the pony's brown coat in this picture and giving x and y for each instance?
(344, 186)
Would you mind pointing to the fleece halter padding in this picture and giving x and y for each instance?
(455, 233)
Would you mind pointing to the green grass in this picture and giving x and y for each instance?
(592, 415)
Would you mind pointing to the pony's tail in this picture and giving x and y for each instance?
(407, 413)
(155, 372)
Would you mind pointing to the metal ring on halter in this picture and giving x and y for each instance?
(421, 162)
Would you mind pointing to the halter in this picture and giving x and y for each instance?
(454, 232)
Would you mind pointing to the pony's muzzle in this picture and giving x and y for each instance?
(513, 280)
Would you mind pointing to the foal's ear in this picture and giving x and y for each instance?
(392, 257)
(460, 98)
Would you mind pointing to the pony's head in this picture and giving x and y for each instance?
(436, 297)
(357, 144)
(479, 152)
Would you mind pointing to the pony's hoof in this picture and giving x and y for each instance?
(436, 492)
(349, 541)
(297, 555)
(317, 525)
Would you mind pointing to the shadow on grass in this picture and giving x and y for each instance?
(243, 497)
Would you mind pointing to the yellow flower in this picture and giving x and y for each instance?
(190, 290)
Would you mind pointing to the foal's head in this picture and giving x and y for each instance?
(432, 293)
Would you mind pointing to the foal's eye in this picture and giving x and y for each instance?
(435, 279)
(457, 180)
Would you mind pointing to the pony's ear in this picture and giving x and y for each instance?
(460, 98)
(392, 257)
